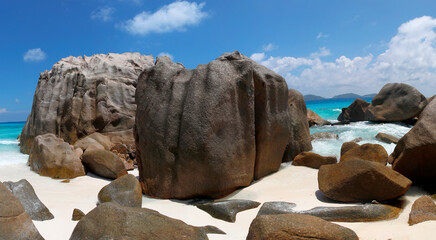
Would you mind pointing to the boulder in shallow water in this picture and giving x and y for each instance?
(355, 112)
(396, 102)
(386, 138)
(124, 190)
(207, 131)
(313, 160)
(346, 146)
(15, 223)
(104, 163)
(361, 181)
(323, 135)
(112, 221)
(53, 157)
(31, 203)
(315, 120)
(297, 226)
(299, 140)
(370, 152)
(423, 209)
(227, 209)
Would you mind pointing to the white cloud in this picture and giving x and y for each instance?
(3, 110)
(104, 14)
(34, 55)
(410, 58)
(269, 47)
(166, 54)
(173, 17)
(321, 35)
(258, 56)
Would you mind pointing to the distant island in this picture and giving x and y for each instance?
(311, 97)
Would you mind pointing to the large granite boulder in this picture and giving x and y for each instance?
(53, 157)
(361, 181)
(299, 141)
(396, 102)
(104, 163)
(315, 120)
(83, 95)
(24, 191)
(415, 154)
(125, 191)
(15, 223)
(423, 209)
(207, 131)
(355, 112)
(370, 152)
(297, 226)
(113, 221)
(313, 160)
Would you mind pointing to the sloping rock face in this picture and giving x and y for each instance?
(361, 181)
(53, 157)
(15, 223)
(396, 102)
(415, 154)
(207, 131)
(355, 112)
(112, 221)
(314, 119)
(83, 95)
(297, 226)
(299, 141)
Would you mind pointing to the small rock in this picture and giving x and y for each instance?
(297, 226)
(104, 163)
(323, 135)
(355, 112)
(312, 160)
(227, 209)
(368, 152)
(65, 181)
(384, 137)
(423, 209)
(77, 214)
(124, 190)
(346, 146)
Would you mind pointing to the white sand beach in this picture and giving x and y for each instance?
(291, 184)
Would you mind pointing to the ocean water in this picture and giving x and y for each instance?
(330, 109)
(9, 149)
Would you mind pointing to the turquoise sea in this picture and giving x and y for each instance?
(328, 109)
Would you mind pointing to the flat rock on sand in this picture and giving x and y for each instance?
(297, 226)
(361, 181)
(15, 223)
(423, 209)
(313, 160)
(227, 209)
(370, 152)
(112, 221)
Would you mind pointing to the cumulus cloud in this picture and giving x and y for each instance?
(321, 35)
(410, 58)
(269, 47)
(166, 54)
(176, 16)
(104, 14)
(34, 55)
(3, 110)
(258, 56)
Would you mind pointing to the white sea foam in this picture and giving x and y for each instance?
(365, 130)
(9, 141)
(12, 157)
(337, 110)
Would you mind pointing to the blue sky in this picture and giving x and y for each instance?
(320, 47)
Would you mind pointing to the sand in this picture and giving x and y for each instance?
(291, 184)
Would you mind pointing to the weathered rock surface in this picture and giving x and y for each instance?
(370, 152)
(396, 102)
(104, 163)
(124, 190)
(227, 209)
(299, 140)
(94, 141)
(361, 181)
(313, 160)
(83, 95)
(15, 223)
(53, 157)
(355, 112)
(347, 146)
(314, 119)
(423, 209)
(386, 138)
(359, 213)
(77, 215)
(414, 155)
(207, 131)
(323, 135)
(112, 221)
(297, 226)
(31, 203)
